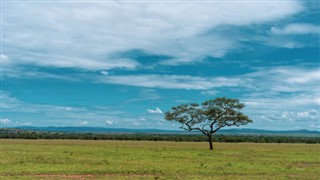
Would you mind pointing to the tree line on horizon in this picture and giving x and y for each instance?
(12, 133)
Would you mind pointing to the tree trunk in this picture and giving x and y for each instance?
(210, 142)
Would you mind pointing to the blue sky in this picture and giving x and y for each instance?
(122, 64)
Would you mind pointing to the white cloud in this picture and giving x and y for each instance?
(68, 109)
(288, 116)
(11, 104)
(93, 32)
(311, 114)
(306, 77)
(273, 94)
(51, 115)
(135, 123)
(23, 123)
(284, 42)
(171, 81)
(284, 79)
(283, 94)
(155, 111)
(4, 60)
(104, 73)
(316, 126)
(5, 121)
(296, 29)
(280, 120)
(56, 115)
(145, 94)
(10, 123)
(109, 122)
(83, 123)
(210, 93)
(275, 80)
(293, 108)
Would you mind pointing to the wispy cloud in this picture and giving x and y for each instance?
(53, 115)
(109, 122)
(295, 29)
(209, 93)
(291, 90)
(310, 114)
(155, 111)
(88, 43)
(83, 123)
(146, 95)
(284, 97)
(285, 79)
(5, 121)
(175, 29)
(4, 60)
(12, 104)
(171, 81)
(47, 113)
(275, 79)
(104, 73)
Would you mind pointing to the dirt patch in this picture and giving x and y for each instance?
(89, 176)
(67, 176)
(307, 164)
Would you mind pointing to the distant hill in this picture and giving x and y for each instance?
(95, 129)
(125, 130)
(268, 132)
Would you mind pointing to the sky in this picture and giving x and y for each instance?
(123, 64)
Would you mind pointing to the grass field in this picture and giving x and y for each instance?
(78, 159)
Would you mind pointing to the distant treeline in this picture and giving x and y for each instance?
(34, 134)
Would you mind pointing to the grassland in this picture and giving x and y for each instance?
(79, 159)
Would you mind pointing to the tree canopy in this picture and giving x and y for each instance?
(210, 116)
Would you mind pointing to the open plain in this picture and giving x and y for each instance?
(81, 159)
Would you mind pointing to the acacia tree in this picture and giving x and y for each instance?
(210, 116)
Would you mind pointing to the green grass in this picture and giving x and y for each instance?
(78, 159)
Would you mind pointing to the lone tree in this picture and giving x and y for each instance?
(210, 116)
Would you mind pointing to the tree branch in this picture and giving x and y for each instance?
(221, 126)
(190, 128)
(219, 116)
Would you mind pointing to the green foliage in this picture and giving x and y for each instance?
(32, 134)
(78, 159)
(210, 116)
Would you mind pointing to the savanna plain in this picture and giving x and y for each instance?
(89, 159)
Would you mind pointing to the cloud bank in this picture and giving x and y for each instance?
(89, 35)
